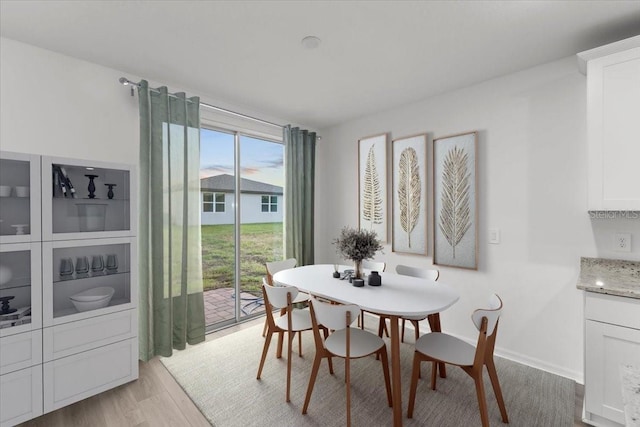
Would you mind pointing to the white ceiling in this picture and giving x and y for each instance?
(374, 56)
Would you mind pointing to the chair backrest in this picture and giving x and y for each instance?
(274, 266)
(423, 273)
(334, 316)
(277, 295)
(492, 314)
(374, 265)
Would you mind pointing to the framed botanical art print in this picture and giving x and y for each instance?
(409, 231)
(455, 195)
(372, 184)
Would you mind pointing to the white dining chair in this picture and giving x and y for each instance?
(272, 268)
(378, 266)
(436, 347)
(344, 342)
(434, 319)
(291, 322)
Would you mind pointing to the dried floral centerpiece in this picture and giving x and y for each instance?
(357, 245)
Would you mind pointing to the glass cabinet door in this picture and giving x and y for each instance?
(85, 278)
(86, 199)
(19, 198)
(20, 288)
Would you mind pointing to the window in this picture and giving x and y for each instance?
(269, 203)
(212, 202)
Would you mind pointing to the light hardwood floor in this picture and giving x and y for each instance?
(156, 400)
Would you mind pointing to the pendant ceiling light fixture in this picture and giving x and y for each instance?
(311, 42)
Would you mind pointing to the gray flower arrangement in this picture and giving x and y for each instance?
(357, 245)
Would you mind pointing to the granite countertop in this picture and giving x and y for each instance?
(610, 276)
(630, 376)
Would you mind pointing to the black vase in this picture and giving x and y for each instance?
(92, 186)
(375, 279)
(110, 192)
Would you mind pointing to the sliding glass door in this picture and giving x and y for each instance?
(242, 180)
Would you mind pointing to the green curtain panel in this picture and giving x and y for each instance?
(171, 299)
(300, 153)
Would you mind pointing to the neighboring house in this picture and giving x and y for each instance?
(260, 202)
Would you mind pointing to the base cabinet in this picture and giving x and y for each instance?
(20, 396)
(612, 339)
(70, 379)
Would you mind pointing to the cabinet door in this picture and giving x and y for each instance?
(614, 131)
(84, 199)
(19, 198)
(21, 283)
(77, 377)
(20, 396)
(20, 351)
(87, 278)
(608, 346)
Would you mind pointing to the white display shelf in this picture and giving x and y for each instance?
(76, 215)
(24, 261)
(57, 292)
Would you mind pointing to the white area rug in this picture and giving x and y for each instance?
(220, 377)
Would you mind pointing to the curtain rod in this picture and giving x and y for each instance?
(126, 82)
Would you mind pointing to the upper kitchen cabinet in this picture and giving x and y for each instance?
(82, 199)
(613, 125)
(19, 198)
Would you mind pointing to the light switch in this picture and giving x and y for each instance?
(494, 236)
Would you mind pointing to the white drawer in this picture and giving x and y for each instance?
(20, 351)
(612, 309)
(20, 396)
(75, 337)
(70, 379)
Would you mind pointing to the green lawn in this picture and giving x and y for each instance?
(259, 243)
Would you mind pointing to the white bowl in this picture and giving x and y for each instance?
(21, 191)
(92, 299)
(5, 191)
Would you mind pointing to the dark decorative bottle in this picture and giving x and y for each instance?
(375, 279)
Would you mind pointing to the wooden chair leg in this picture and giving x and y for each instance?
(325, 332)
(434, 374)
(482, 401)
(402, 336)
(361, 320)
(416, 326)
(347, 379)
(385, 372)
(264, 330)
(280, 344)
(434, 324)
(289, 353)
(300, 343)
(414, 384)
(265, 350)
(493, 375)
(312, 381)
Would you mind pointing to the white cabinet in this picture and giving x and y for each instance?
(89, 278)
(613, 128)
(612, 339)
(70, 379)
(20, 396)
(68, 282)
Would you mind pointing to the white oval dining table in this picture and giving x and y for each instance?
(399, 296)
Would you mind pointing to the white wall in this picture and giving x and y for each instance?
(532, 186)
(251, 213)
(55, 105)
